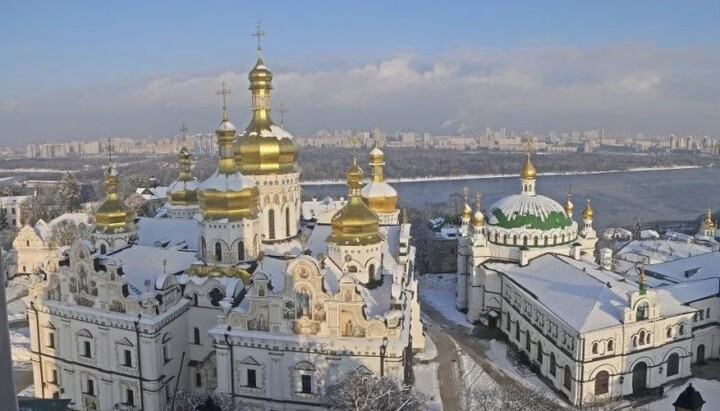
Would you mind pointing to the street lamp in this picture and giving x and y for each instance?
(689, 400)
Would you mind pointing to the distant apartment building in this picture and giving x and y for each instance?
(11, 205)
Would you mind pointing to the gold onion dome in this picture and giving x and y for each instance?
(478, 217)
(528, 171)
(588, 212)
(708, 222)
(227, 194)
(568, 204)
(113, 216)
(263, 147)
(377, 194)
(183, 191)
(355, 223)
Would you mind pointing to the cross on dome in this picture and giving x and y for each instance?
(259, 33)
(109, 148)
(282, 110)
(183, 130)
(223, 93)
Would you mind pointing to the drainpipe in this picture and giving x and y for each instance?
(383, 348)
(40, 354)
(232, 363)
(139, 361)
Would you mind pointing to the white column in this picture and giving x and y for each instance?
(223, 368)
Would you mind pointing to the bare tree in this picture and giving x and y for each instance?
(359, 391)
(196, 399)
(510, 397)
(66, 232)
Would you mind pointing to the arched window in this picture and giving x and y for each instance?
(527, 340)
(595, 348)
(203, 249)
(553, 364)
(27, 243)
(103, 249)
(241, 251)
(515, 239)
(196, 335)
(508, 323)
(546, 240)
(525, 240)
(567, 377)
(635, 341)
(554, 239)
(642, 338)
(287, 222)
(539, 352)
(642, 312)
(673, 364)
(647, 338)
(668, 332)
(535, 241)
(504, 238)
(352, 269)
(610, 345)
(601, 382)
(371, 271)
(218, 252)
(682, 329)
(271, 224)
(215, 297)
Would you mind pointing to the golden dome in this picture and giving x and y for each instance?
(113, 216)
(528, 172)
(466, 211)
(588, 212)
(227, 194)
(568, 204)
(183, 191)
(478, 217)
(708, 222)
(380, 196)
(355, 223)
(264, 148)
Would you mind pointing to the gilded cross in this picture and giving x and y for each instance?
(183, 130)
(282, 112)
(465, 193)
(478, 199)
(109, 148)
(528, 145)
(259, 34)
(223, 93)
(569, 191)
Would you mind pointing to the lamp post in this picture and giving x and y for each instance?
(689, 400)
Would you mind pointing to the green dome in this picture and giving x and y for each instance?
(534, 212)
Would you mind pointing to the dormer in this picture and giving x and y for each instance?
(641, 307)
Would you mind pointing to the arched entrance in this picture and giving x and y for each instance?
(639, 379)
(701, 354)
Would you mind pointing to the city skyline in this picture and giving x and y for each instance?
(103, 70)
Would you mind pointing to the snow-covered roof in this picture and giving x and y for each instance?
(168, 232)
(658, 251)
(690, 291)
(274, 131)
(693, 268)
(12, 200)
(649, 234)
(227, 182)
(178, 185)
(375, 189)
(44, 230)
(227, 126)
(142, 265)
(151, 193)
(577, 292)
(292, 247)
(312, 209)
(526, 210)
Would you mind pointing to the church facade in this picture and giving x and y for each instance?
(231, 292)
(530, 270)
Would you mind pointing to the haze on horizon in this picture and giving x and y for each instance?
(78, 70)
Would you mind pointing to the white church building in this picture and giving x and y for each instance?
(231, 292)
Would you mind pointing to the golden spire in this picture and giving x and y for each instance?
(708, 223)
(528, 171)
(478, 218)
(568, 203)
(113, 216)
(380, 196)
(377, 161)
(588, 212)
(466, 211)
(263, 148)
(184, 190)
(355, 223)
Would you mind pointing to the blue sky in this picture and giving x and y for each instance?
(53, 48)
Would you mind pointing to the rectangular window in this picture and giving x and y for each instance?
(90, 387)
(54, 377)
(127, 358)
(166, 353)
(51, 339)
(198, 379)
(306, 384)
(87, 353)
(251, 381)
(130, 397)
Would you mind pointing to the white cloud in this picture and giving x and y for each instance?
(630, 88)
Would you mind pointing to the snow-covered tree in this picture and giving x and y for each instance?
(68, 193)
(137, 203)
(4, 225)
(196, 399)
(360, 391)
(32, 210)
(66, 232)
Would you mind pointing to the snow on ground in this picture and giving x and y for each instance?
(472, 378)
(29, 391)
(430, 350)
(438, 291)
(20, 346)
(16, 292)
(426, 382)
(709, 389)
(498, 355)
